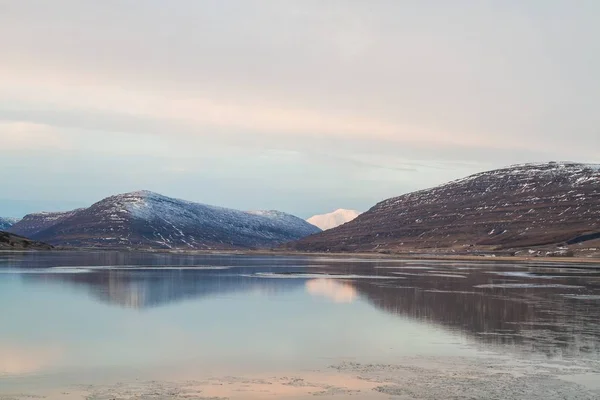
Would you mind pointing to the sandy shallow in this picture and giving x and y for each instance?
(426, 378)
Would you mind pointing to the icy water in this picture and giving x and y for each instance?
(97, 318)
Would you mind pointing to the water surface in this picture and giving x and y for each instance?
(86, 317)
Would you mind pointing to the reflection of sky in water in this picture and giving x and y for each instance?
(49, 325)
(338, 292)
(19, 359)
(233, 317)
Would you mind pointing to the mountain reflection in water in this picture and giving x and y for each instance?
(549, 320)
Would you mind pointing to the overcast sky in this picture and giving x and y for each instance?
(303, 106)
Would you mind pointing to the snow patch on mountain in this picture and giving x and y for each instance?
(6, 222)
(521, 178)
(520, 171)
(527, 205)
(148, 219)
(151, 206)
(333, 219)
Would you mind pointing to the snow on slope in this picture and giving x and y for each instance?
(6, 223)
(280, 218)
(333, 219)
(520, 178)
(147, 219)
(543, 204)
(571, 170)
(148, 206)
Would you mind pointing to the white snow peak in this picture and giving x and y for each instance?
(333, 219)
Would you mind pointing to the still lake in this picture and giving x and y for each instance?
(88, 317)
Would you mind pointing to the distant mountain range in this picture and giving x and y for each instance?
(519, 207)
(550, 208)
(32, 224)
(6, 223)
(333, 219)
(149, 220)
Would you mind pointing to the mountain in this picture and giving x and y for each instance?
(517, 207)
(333, 219)
(32, 224)
(149, 220)
(6, 223)
(9, 241)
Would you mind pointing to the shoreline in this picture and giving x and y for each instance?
(423, 377)
(340, 255)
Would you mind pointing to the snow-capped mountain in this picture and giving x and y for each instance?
(6, 223)
(516, 207)
(31, 224)
(333, 219)
(149, 220)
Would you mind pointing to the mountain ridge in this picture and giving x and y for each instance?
(524, 205)
(7, 222)
(144, 219)
(32, 223)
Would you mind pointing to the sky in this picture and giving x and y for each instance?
(303, 106)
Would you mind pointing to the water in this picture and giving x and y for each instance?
(95, 317)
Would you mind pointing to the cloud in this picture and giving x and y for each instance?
(87, 107)
(338, 292)
(177, 169)
(204, 114)
(362, 99)
(309, 70)
(18, 135)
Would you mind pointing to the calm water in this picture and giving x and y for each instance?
(81, 317)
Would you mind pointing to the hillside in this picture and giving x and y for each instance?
(31, 224)
(517, 207)
(149, 220)
(9, 241)
(333, 219)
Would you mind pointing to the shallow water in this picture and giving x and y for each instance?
(96, 317)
